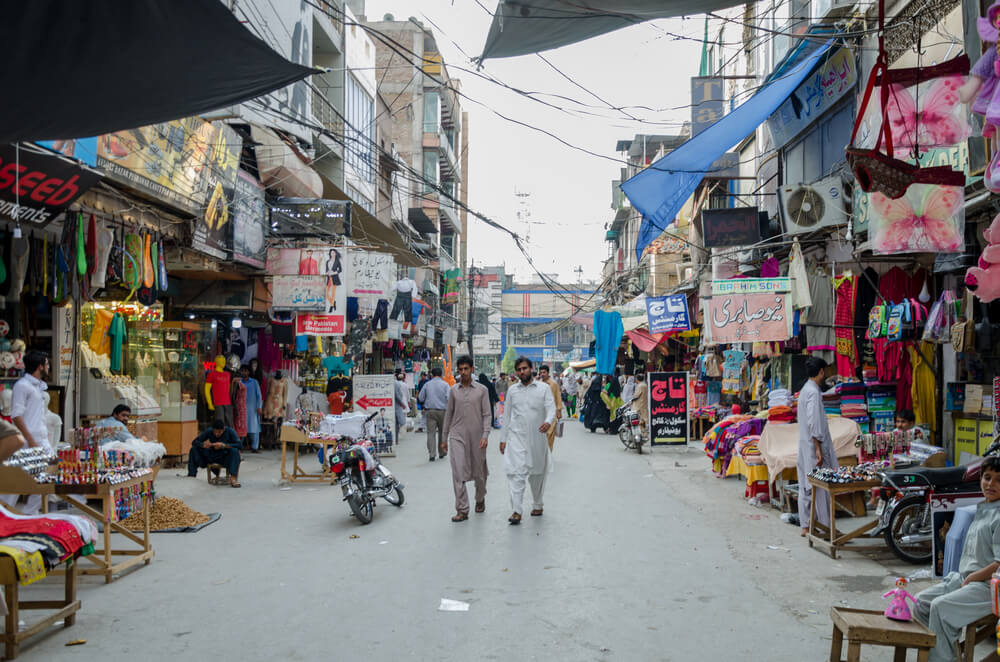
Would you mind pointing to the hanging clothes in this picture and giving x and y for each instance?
(819, 324)
(922, 390)
(845, 288)
(801, 296)
(240, 408)
(608, 331)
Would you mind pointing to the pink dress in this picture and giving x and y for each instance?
(898, 610)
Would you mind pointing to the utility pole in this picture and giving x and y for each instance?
(579, 273)
(472, 305)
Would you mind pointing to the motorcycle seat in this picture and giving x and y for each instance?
(934, 476)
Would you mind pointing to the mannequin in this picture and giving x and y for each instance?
(53, 422)
(217, 384)
(277, 397)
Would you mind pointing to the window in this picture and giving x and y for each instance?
(573, 334)
(480, 321)
(432, 112)
(432, 171)
(518, 335)
(448, 243)
(359, 132)
(821, 149)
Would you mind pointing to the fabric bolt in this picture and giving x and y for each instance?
(813, 426)
(468, 420)
(608, 330)
(116, 332)
(819, 326)
(846, 348)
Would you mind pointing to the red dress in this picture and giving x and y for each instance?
(845, 289)
(240, 410)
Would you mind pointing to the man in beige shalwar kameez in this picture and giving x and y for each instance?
(468, 420)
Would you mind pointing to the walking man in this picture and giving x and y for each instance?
(467, 422)
(553, 384)
(434, 397)
(422, 424)
(815, 444)
(528, 414)
(27, 411)
(401, 400)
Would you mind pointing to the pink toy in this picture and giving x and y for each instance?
(984, 279)
(898, 610)
(983, 90)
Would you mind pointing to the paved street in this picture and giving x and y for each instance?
(636, 558)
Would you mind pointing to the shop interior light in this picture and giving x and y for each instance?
(215, 325)
(190, 316)
(237, 323)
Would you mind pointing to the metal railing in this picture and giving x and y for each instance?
(324, 114)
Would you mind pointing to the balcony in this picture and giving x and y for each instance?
(448, 213)
(329, 17)
(436, 138)
(325, 116)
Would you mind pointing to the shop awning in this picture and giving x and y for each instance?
(87, 68)
(645, 340)
(660, 191)
(531, 26)
(369, 232)
(281, 169)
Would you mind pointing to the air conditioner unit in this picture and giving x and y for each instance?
(832, 9)
(809, 207)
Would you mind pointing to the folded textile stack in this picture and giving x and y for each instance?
(831, 403)
(852, 400)
(780, 397)
(38, 543)
(781, 414)
(748, 450)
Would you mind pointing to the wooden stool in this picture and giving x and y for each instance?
(65, 609)
(974, 633)
(860, 626)
(215, 475)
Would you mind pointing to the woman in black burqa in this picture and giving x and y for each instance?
(595, 414)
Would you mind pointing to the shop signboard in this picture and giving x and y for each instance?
(312, 324)
(327, 262)
(816, 95)
(708, 102)
(179, 162)
(36, 185)
(250, 221)
(373, 392)
(307, 217)
(372, 274)
(668, 410)
(667, 313)
(739, 226)
(298, 293)
(749, 310)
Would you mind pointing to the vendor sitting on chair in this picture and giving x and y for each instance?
(964, 596)
(218, 445)
(119, 421)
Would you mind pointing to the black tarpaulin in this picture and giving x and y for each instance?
(521, 27)
(74, 69)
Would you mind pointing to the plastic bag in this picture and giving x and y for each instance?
(940, 319)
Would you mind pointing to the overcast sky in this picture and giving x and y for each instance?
(570, 191)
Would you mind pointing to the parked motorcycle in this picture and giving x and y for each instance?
(363, 479)
(904, 508)
(630, 430)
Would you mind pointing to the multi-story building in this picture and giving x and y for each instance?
(488, 284)
(545, 325)
(430, 137)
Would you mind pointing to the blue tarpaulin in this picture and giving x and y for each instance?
(660, 190)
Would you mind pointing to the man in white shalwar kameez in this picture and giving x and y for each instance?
(815, 444)
(529, 411)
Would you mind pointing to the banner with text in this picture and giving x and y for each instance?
(668, 411)
(309, 324)
(372, 274)
(298, 293)
(749, 310)
(667, 313)
(374, 392)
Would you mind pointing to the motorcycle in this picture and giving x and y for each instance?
(363, 479)
(904, 508)
(630, 430)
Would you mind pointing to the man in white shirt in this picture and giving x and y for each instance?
(529, 412)
(28, 414)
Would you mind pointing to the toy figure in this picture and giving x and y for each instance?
(982, 89)
(984, 278)
(898, 610)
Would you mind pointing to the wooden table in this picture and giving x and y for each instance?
(298, 474)
(828, 538)
(860, 626)
(65, 609)
(15, 481)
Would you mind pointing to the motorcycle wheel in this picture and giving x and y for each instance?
(395, 497)
(638, 444)
(625, 437)
(362, 507)
(907, 514)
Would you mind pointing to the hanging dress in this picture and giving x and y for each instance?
(845, 288)
(922, 391)
(819, 328)
(240, 408)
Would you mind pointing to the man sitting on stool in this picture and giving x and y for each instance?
(218, 445)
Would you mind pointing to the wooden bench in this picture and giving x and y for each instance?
(974, 633)
(860, 626)
(66, 609)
